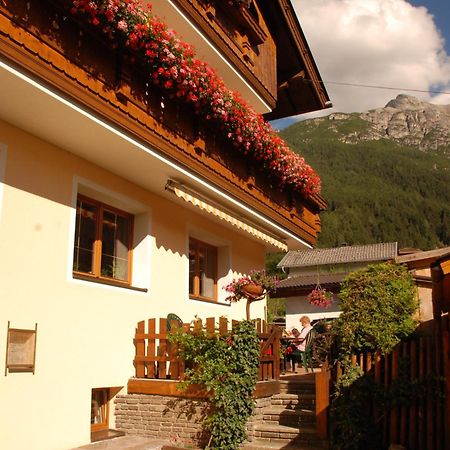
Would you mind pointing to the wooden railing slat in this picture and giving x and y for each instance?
(162, 348)
(140, 351)
(151, 348)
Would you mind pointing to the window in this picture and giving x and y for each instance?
(99, 409)
(103, 241)
(202, 270)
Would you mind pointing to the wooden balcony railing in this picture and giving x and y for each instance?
(157, 357)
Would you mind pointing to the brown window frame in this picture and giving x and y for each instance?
(196, 243)
(96, 274)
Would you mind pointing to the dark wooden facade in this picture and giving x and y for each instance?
(42, 39)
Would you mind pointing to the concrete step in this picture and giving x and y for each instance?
(292, 401)
(287, 435)
(290, 417)
(265, 444)
(307, 385)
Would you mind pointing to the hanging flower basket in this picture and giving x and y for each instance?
(320, 297)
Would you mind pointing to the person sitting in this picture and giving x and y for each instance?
(299, 341)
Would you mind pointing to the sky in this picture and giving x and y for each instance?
(400, 44)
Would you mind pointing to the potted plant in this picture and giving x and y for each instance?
(320, 297)
(252, 287)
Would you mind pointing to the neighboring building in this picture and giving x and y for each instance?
(121, 199)
(419, 263)
(327, 267)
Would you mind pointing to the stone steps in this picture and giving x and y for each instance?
(264, 444)
(291, 417)
(293, 401)
(289, 421)
(280, 436)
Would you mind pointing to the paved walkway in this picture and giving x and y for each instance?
(126, 443)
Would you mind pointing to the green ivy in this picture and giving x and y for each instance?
(227, 366)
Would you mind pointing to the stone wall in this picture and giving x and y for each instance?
(177, 419)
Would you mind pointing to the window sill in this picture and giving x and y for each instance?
(79, 276)
(206, 300)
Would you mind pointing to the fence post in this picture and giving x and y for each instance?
(446, 374)
(322, 379)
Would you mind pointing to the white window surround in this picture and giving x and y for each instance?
(224, 272)
(3, 150)
(140, 277)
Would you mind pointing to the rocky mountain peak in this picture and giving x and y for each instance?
(406, 120)
(406, 102)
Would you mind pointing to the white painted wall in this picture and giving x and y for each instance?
(85, 330)
(299, 306)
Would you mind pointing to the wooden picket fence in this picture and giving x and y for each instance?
(157, 358)
(422, 425)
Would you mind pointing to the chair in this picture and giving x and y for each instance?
(171, 317)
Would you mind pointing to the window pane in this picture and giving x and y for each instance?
(191, 268)
(115, 246)
(207, 274)
(85, 233)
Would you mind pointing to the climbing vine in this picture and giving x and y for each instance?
(226, 366)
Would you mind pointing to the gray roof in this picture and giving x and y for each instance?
(304, 281)
(340, 255)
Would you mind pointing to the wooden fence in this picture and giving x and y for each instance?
(157, 358)
(423, 423)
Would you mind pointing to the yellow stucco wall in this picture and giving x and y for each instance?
(85, 330)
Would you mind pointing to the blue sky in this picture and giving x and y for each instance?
(440, 9)
(398, 46)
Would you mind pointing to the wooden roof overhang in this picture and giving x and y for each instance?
(300, 86)
(302, 285)
(296, 86)
(81, 68)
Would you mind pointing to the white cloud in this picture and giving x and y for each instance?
(374, 42)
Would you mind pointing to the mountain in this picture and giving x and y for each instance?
(385, 173)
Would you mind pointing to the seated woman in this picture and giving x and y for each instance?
(298, 339)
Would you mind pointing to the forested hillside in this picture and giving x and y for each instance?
(377, 190)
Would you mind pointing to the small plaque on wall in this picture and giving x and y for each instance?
(20, 350)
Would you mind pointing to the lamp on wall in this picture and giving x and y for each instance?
(209, 206)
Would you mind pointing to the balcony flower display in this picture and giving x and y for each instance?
(251, 287)
(171, 64)
(320, 297)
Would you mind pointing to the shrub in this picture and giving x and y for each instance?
(378, 304)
